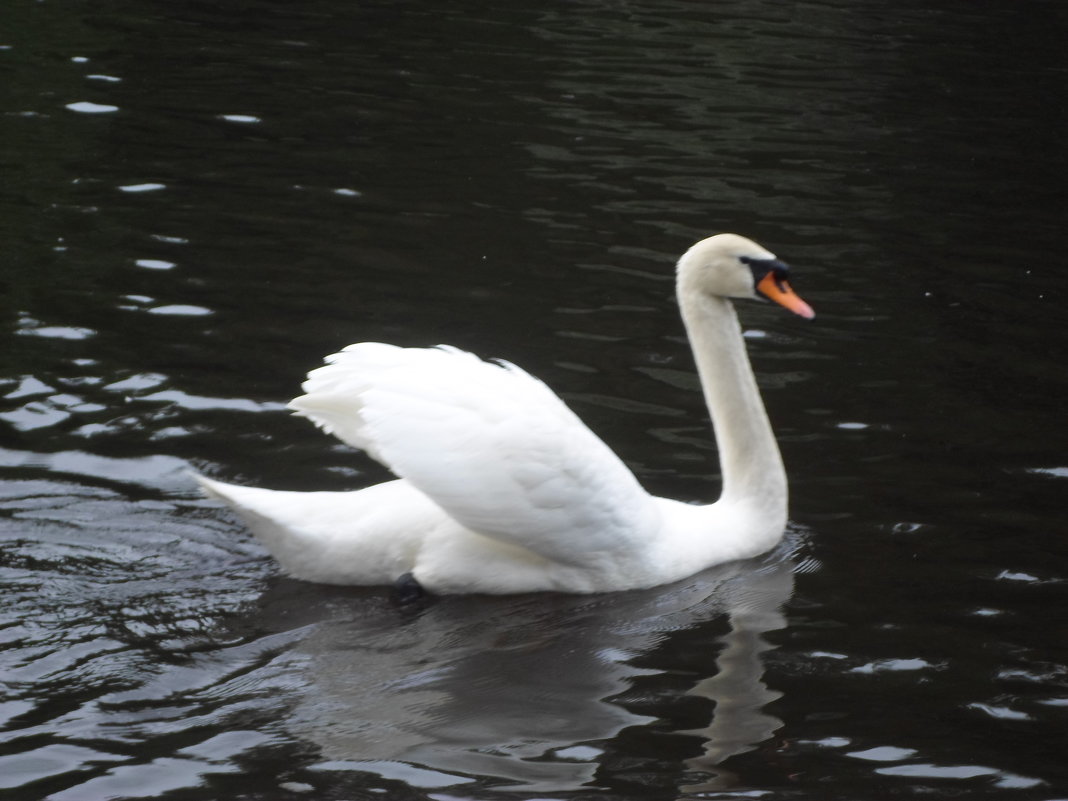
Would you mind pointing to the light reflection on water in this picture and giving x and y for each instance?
(201, 204)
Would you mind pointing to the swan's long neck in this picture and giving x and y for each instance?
(748, 454)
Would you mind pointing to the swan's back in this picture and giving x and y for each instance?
(494, 447)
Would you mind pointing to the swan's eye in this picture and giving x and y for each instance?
(761, 267)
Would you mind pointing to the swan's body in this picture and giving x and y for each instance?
(503, 489)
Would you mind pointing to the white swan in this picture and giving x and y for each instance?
(503, 489)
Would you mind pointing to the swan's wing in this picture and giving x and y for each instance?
(491, 445)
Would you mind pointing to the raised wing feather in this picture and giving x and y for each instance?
(491, 445)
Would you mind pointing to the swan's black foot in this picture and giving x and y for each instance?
(406, 590)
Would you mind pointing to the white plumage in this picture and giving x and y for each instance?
(502, 488)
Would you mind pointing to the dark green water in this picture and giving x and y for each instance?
(199, 200)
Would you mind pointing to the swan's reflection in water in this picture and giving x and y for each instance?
(739, 723)
(520, 689)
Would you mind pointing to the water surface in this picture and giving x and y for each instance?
(200, 202)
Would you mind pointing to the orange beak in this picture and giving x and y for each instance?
(778, 290)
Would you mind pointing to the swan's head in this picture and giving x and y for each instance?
(731, 266)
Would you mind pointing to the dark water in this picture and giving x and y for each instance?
(199, 200)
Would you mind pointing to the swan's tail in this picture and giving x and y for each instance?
(367, 536)
(277, 519)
